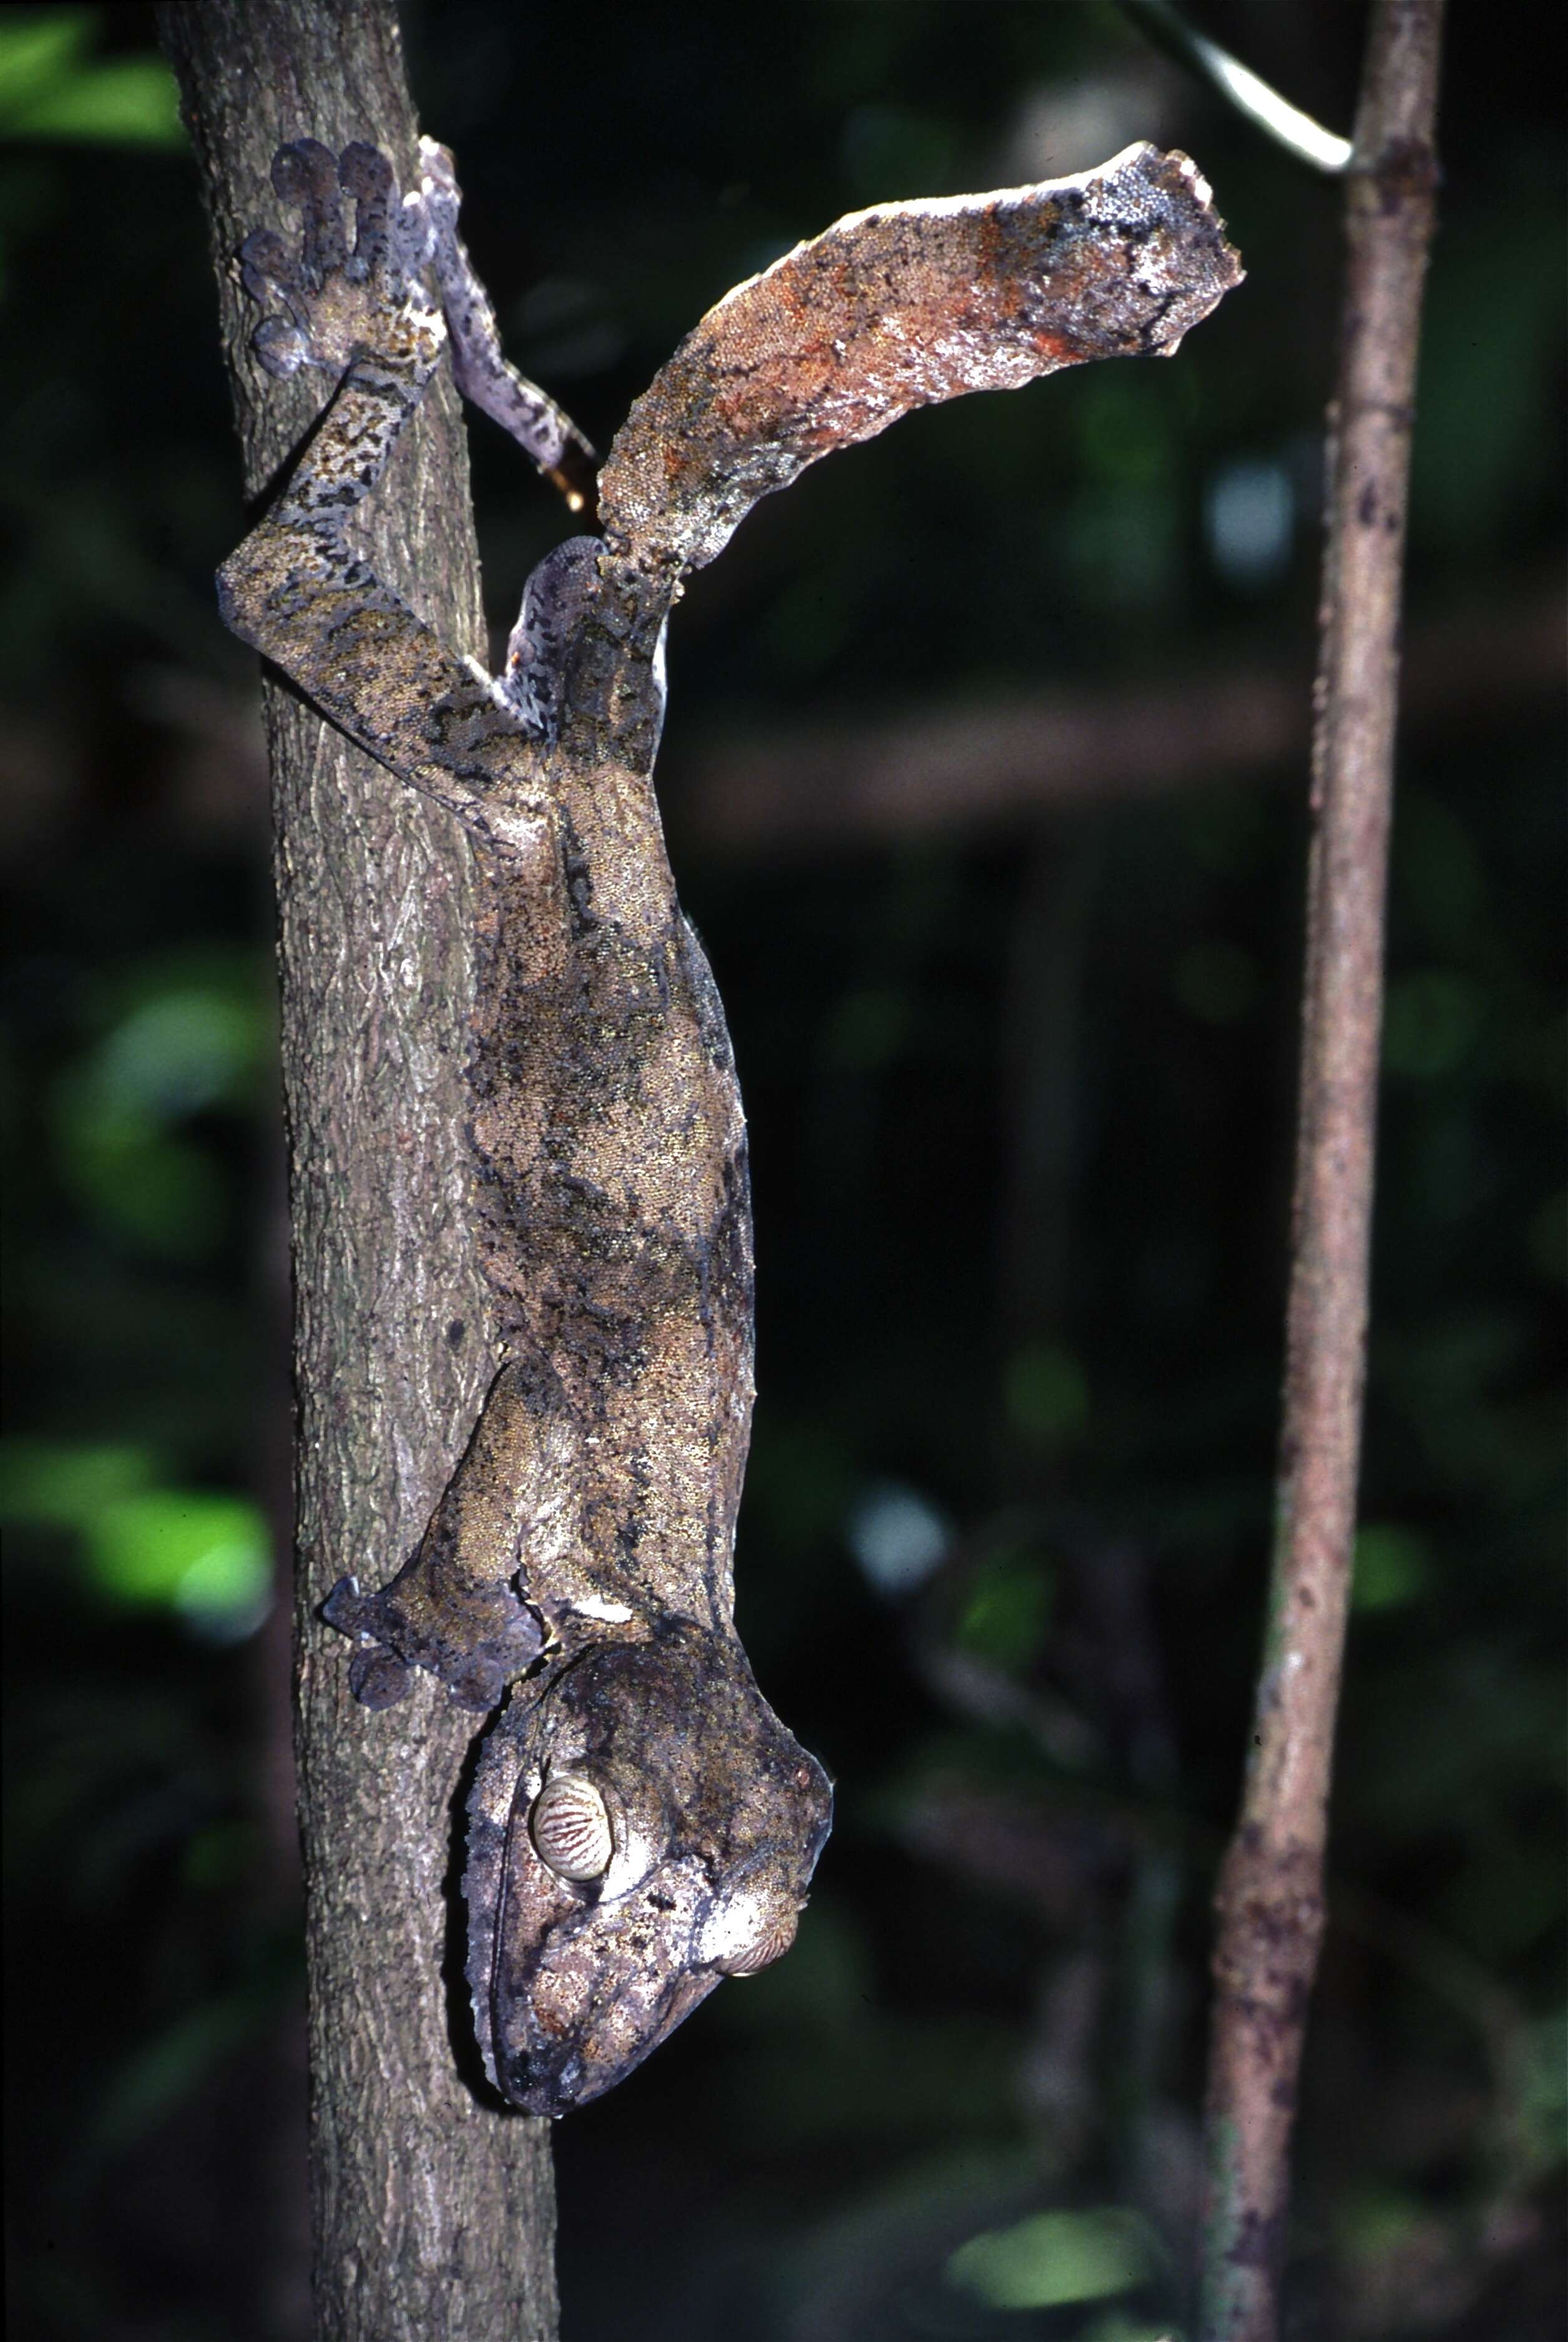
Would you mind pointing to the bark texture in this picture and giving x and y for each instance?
(1270, 1909)
(433, 2208)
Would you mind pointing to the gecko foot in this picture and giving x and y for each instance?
(477, 1658)
(340, 302)
(378, 1678)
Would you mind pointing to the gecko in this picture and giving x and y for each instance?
(641, 1824)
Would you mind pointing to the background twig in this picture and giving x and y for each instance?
(1271, 1891)
(1251, 96)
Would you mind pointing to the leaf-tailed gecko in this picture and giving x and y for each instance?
(641, 1823)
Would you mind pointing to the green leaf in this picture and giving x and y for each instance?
(202, 1554)
(37, 50)
(1054, 2257)
(193, 1045)
(1006, 1611)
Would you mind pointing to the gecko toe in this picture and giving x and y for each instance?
(266, 265)
(378, 1678)
(366, 175)
(305, 174)
(280, 347)
(478, 1684)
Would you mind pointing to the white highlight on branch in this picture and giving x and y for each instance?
(1247, 91)
(1252, 95)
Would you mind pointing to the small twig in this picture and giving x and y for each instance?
(1152, 1825)
(1251, 96)
(1270, 1901)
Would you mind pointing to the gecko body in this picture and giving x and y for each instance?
(641, 1823)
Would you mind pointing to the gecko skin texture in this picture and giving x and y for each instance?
(641, 1823)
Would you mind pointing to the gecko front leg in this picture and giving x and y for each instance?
(295, 589)
(454, 1607)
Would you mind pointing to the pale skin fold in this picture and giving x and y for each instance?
(579, 1565)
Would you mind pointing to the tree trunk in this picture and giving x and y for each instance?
(432, 2207)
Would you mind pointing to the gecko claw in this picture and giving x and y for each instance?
(266, 264)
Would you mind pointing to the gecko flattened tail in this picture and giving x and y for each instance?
(896, 307)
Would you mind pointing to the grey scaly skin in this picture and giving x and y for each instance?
(641, 1823)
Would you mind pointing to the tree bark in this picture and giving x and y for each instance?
(1270, 1902)
(433, 2208)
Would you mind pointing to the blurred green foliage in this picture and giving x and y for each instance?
(1020, 1103)
(204, 1555)
(1054, 2258)
(52, 87)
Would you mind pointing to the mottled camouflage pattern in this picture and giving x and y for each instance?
(895, 308)
(582, 1555)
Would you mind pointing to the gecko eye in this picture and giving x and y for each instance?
(770, 1946)
(570, 1826)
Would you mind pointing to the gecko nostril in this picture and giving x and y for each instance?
(770, 1946)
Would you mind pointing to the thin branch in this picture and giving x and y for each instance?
(1151, 1823)
(1251, 96)
(1270, 1901)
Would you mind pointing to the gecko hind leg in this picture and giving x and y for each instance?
(480, 367)
(295, 589)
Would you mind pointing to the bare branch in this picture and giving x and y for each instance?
(1270, 1900)
(1251, 96)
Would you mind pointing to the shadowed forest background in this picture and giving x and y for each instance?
(985, 780)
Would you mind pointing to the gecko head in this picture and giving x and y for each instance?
(641, 1827)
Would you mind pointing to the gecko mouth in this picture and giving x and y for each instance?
(600, 1992)
(544, 2076)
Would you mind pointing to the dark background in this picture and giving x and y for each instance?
(1020, 1087)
